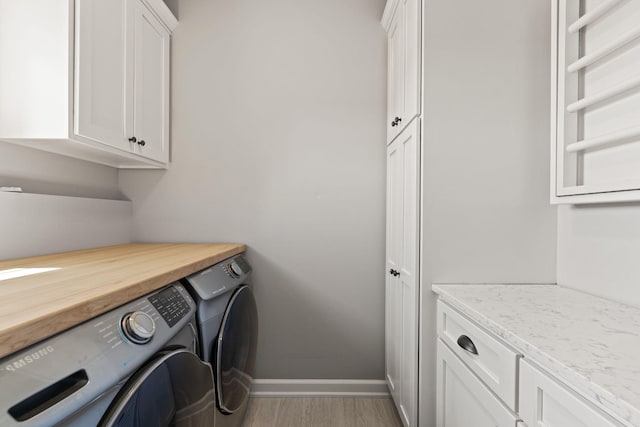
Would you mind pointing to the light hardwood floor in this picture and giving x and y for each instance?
(321, 412)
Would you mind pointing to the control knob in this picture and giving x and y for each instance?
(138, 327)
(235, 269)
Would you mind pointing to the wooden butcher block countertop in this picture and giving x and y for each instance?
(84, 284)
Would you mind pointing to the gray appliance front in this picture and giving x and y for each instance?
(228, 323)
(70, 379)
(175, 389)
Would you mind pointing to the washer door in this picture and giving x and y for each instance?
(174, 389)
(236, 351)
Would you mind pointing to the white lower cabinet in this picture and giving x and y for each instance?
(478, 375)
(546, 403)
(463, 400)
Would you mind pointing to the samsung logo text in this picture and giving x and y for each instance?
(28, 359)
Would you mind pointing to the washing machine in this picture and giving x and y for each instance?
(228, 331)
(136, 365)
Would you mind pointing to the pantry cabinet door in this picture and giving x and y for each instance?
(402, 272)
(395, 72)
(403, 21)
(151, 100)
(103, 72)
(393, 313)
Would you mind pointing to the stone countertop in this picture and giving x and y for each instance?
(591, 343)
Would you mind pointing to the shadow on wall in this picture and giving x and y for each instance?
(174, 6)
(34, 186)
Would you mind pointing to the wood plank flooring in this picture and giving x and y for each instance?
(321, 412)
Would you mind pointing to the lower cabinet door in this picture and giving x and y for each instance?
(463, 400)
(544, 402)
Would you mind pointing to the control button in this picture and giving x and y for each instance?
(138, 327)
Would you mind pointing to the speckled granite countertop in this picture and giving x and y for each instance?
(592, 343)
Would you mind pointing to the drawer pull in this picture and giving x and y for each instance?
(467, 345)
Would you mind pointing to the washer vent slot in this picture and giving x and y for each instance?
(46, 398)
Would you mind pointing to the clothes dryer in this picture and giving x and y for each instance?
(228, 331)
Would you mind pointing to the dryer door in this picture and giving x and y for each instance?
(174, 389)
(236, 351)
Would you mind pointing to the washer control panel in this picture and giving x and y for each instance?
(171, 305)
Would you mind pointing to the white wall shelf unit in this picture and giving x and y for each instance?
(595, 124)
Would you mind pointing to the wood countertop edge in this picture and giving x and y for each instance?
(28, 333)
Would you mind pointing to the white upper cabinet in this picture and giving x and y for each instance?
(402, 21)
(90, 79)
(595, 101)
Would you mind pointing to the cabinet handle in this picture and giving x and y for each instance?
(394, 272)
(393, 123)
(133, 139)
(467, 345)
(398, 120)
(142, 143)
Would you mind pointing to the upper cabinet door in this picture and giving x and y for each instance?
(402, 21)
(151, 100)
(413, 59)
(103, 71)
(395, 73)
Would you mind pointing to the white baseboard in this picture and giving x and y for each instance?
(306, 388)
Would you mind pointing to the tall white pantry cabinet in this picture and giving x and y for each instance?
(402, 21)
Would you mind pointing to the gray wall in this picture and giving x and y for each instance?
(598, 247)
(486, 215)
(45, 173)
(278, 116)
(34, 224)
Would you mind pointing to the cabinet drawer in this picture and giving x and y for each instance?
(545, 402)
(494, 363)
(463, 400)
